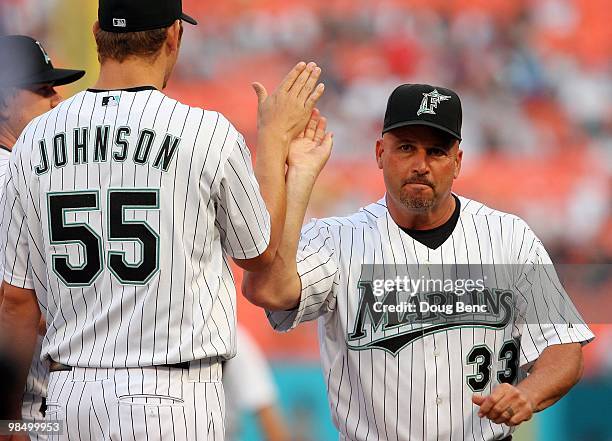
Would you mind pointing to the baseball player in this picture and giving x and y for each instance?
(405, 358)
(121, 210)
(27, 90)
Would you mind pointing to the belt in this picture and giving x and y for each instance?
(508, 438)
(55, 366)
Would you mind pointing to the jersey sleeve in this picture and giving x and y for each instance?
(242, 216)
(318, 270)
(547, 315)
(14, 229)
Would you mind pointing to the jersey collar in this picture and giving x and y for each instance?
(129, 89)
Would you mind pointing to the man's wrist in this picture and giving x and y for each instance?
(272, 138)
(530, 395)
(302, 173)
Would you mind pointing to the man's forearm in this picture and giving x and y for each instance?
(278, 288)
(553, 375)
(270, 173)
(19, 320)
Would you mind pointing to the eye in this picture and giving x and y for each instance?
(406, 147)
(436, 151)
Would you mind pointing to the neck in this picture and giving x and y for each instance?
(133, 72)
(7, 137)
(422, 219)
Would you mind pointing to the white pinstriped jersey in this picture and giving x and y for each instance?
(390, 379)
(127, 204)
(4, 158)
(36, 383)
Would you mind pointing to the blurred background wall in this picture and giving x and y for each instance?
(535, 78)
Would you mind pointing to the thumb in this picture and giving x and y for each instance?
(261, 92)
(478, 399)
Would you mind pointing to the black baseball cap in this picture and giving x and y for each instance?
(25, 62)
(422, 104)
(121, 16)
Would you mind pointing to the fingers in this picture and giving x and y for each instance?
(478, 399)
(328, 143)
(520, 417)
(320, 131)
(302, 78)
(490, 401)
(310, 84)
(502, 410)
(314, 96)
(289, 80)
(260, 90)
(312, 125)
(506, 405)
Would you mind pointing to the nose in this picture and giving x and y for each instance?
(419, 163)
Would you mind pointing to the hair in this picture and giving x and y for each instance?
(120, 46)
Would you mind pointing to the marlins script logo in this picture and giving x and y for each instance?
(416, 316)
(430, 102)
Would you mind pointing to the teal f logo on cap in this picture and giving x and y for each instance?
(430, 102)
(42, 49)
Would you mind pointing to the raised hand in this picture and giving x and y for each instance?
(287, 111)
(310, 151)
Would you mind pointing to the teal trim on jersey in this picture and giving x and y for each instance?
(478, 376)
(135, 239)
(101, 147)
(77, 160)
(56, 256)
(119, 140)
(60, 135)
(145, 143)
(506, 355)
(449, 328)
(167, 152)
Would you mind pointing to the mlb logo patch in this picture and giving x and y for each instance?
(119, 22)
(110, 101)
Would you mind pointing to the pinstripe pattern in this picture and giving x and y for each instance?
(151, 403)
(36, 382)
(205, 207)
(210, 210)
(422, 392)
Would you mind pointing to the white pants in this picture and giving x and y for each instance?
(151, 403)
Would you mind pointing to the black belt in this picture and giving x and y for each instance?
(55, 366)
(509, 438)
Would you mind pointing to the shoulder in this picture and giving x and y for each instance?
(511, 228)
(211, 121)
(334, 227)
(483, 213)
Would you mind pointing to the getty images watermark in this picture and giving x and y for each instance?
(414, 287)
(394, 295)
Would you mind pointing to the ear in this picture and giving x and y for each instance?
(96, 27)
(7, 107)
(380, 149)
(173, 39)
(458, 160)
